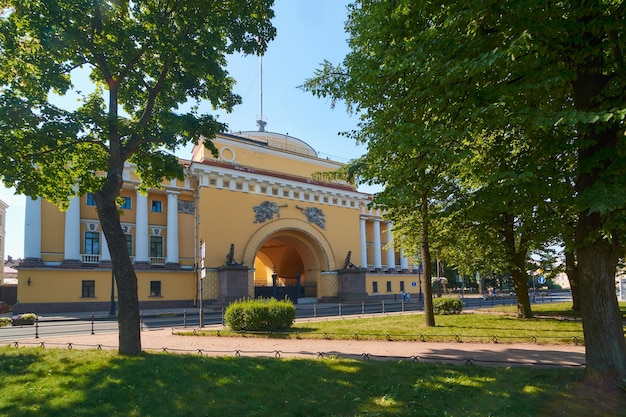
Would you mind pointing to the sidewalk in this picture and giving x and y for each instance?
(483, 354)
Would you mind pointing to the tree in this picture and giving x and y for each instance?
(461, 69)
(145, 59)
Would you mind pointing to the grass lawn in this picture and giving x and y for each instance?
(55, 382)
(554, 324)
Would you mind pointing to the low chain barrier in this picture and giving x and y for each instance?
(278, 354)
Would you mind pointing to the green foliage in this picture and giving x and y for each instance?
(447, 306)
(5, 321)
(260, 314)
(151, 64)
(144, 59)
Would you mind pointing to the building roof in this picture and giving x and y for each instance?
(280, 141)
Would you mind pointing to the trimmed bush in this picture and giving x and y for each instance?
(447, 306)
(261, 314)
(5, 321)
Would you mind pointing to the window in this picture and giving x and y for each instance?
(92, 243)
(263, 189)
(226, 184)
(156, 246)
(388, 286)
(89, 289)
(401, 286)
(126, 205)
(129, 244)
(239, 186)
(157, 206)
(212, 181)
(375, 286)
(91, 199)
(155, 288)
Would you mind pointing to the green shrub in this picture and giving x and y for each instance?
(261, 314)
(5, 321)
(447, 306)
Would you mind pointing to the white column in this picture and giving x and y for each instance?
(404, 261)
(391, 250)
(72, 231)
(32, 229)
(141, 220)
(378, 265)
(172, 228)
(106, 255)
(363, 244)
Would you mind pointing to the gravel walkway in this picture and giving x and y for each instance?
(483, 354)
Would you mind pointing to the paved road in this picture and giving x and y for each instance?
(101, 322)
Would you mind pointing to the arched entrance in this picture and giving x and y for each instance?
(288, 257)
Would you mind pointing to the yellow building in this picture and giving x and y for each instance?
(251, 222)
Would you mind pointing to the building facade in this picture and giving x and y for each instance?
(251, 222)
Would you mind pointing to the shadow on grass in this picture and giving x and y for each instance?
(98, 383)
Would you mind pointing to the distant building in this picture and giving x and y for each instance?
(251, 222)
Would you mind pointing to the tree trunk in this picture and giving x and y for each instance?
(427, 287)
(520, 281)
(605, 349)
(572, 276)
(125, 278)
(516, 258)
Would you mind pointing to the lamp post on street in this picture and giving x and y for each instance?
(112, 306)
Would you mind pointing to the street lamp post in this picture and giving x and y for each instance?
(112, 307)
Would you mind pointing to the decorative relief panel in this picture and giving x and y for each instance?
(266, 211)
(314, 215)
(186, 207)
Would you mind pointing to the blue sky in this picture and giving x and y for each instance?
(308, 32)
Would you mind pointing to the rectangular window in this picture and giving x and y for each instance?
(129, 244)
(388, 286)
(375, 286)
(91, 199)
(157, 206)
(156, 246)
(89, 289)
(126, 205)
(155, 288)
(92, 243)
(401, 286)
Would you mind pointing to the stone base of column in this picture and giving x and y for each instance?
(391, 270)
(405, 271)
(142, 265)
(105, 264)
(31, 263)
(71, 263)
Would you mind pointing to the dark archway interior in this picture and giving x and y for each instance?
(290, 255)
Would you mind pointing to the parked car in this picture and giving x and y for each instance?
(4, 307)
